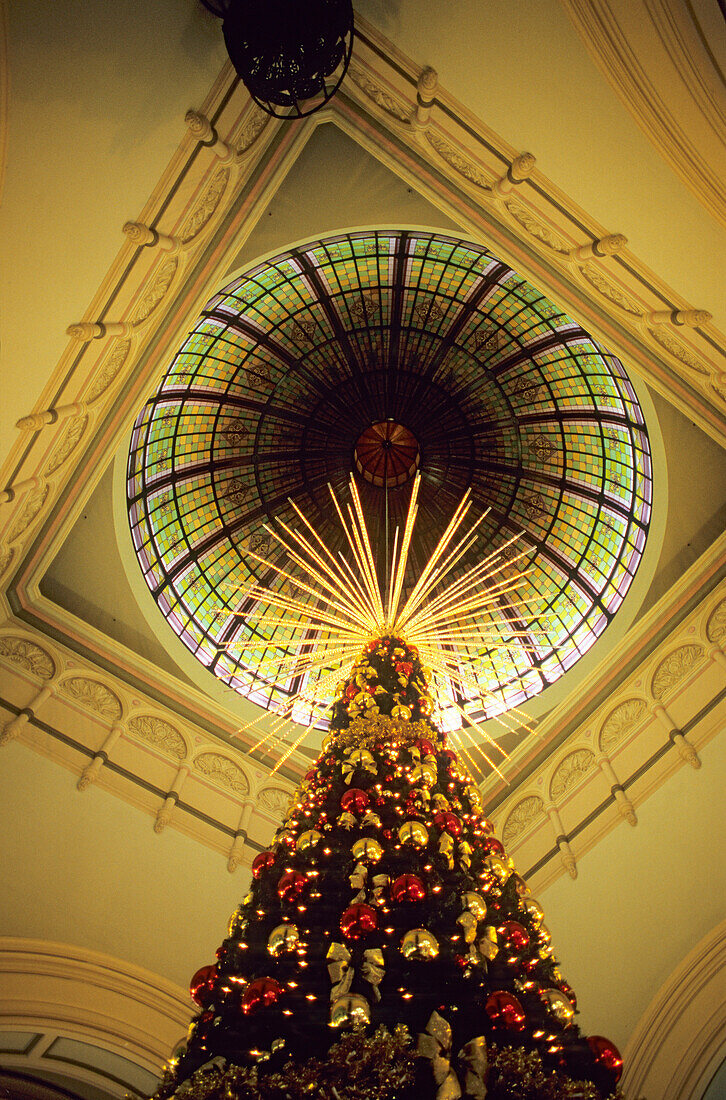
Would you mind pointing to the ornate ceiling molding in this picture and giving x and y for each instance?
(656, 57)
(678, 1043)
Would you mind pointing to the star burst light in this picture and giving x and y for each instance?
(333, 605)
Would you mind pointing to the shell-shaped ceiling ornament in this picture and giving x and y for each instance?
(286, 384)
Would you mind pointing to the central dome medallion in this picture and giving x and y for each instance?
(387, 454)
(382, 354)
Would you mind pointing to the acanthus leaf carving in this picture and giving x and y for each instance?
(535, 228)
(71, 438)
(252, 130)
(456, 161)
(223, 771)
(674, 668)
(620, 721)
(162, 735)
(523, 814)
(596, 278)
(206, 206)
(716, 626)
(160, 283)
(676, 348)
(573, 768)
(275, 800)
(28, 512)
(28, 655)
(380, 97)
(6, 556)
(109, 370)
(94, 695)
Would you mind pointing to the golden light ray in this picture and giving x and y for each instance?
(333, 606)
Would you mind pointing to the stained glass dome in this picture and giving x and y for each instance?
(376, 354)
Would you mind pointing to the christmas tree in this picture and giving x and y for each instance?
(387, 947)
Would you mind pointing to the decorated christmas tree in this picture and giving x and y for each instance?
(387, 947)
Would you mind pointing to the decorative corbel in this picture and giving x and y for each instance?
(240, 837)
(202, 129)
(86, 331)
(519, 170)
(617, 790)
(145, 237)
(163, 815)
(91, 770)
(16, 724)
(597, 250)
(681, 318)
(34, 482)
(425, 96)
(685, 749)
(566, 854)
(34, 422)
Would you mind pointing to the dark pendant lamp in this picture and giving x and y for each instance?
(291, 54)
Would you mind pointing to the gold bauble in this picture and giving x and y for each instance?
(419, 943)
(283, 937)
(401, 711)
(521, 887)
(308, 840)
(237, 924)
(475, 903)
(350, 1010)
(498, 868)
(533, 910)
(440, 802)
(367, 849)
(559, 1005)
(488, 944)
(424, 774)
(413, 832)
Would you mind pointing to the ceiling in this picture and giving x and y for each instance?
(93, 113)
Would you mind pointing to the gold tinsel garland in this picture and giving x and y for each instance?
(364, 733)
(373, 1067)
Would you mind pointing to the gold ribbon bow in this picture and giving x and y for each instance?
(380, 885)
(446, 847)
(435, 1044)
(465, 854)
(347, 821)
(339, 969)
(342, 973)
(473, 1056)
(373, 970)
(468, 924)
(358, 881)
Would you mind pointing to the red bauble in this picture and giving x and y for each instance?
(492, 847)
(351, 691)
(261, 862)
(202, 985)
(514, 935)
(358, 921)
(447, 822)
(404, 668)
(408, 888)
(310, 775)
(448, 755)
(354, 801)
(606, 1054)
(505, 1011)
(291, 885)
(260, 993)
(425, 747)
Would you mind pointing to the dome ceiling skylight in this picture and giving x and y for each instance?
(287, 383)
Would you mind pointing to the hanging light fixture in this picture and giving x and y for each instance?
(291, 54)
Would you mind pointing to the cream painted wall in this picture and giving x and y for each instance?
(87, 869)
(643, 898)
